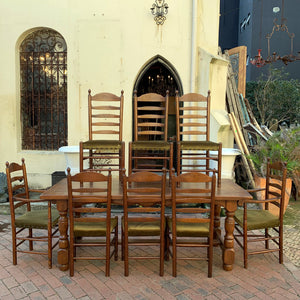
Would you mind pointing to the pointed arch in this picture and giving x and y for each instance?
(159, 60)
(157, 76)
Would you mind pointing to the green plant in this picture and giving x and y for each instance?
(274, 98)
(282, 146)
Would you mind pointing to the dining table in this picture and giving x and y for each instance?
(228, 195)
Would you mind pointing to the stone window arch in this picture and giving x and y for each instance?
(43, 90)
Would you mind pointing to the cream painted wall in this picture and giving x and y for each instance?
(108, 42)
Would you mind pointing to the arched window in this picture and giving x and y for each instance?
(43, 83)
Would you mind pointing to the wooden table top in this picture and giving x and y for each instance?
(227, 191)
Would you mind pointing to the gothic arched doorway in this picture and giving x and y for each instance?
(158, 76)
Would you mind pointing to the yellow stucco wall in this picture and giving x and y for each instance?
(108, 43)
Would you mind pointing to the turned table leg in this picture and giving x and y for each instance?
(63, 251)
(228, 247)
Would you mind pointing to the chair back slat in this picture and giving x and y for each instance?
(17, 184)
(149, 108)
(86, 190)
(190, 107)
(139, 190)
(193, 135)
(182, 194)
(105, 116)
(276, 176)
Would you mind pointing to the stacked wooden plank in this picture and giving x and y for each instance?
(243, 122)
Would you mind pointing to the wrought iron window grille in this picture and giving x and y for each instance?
(43, 85)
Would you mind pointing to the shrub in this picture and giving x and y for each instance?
(283, 146)
(274, 98)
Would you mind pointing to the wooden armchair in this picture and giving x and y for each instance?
(106, 150)
(150, 151)
(192, 221)
(89, 202)
(143, 223)
(250, 222)
(21, 199)
(193, 134)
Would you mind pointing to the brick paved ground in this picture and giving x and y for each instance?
(31, 279)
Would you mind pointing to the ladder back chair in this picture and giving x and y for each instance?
(257, 225)
(143, 223)
(192, 221)
(91, 224)
(194, 149)
(105, 149)
(150, 150)
(21, 199)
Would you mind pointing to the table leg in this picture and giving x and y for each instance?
(63, 251)
(228, 247)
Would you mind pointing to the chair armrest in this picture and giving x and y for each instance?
(16, 198)
(256, 190)
(261, 201)
(37, 191)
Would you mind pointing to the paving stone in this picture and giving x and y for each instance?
(265, 278)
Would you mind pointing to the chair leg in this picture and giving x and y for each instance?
(14, 246)
(80, 157)
(122, 243)
(130, 159)
(126, 263)
(266, 236)
(171, 162)
(30, 242)
(280, 244)
(122, 161)
(116, 243)
(90, 159)
(71, 257)
(107, 259)
(207, 163)
(219, 164)
(178, 159)
(245, 245)
(210, 257)
(174, 256)
(162, 254)
(50, 248)
(167, 243)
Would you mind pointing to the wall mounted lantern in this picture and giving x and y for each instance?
(159, 9)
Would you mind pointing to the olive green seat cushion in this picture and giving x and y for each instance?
(150, 145)
(102, 144)
(257, 219)
(37, 219)
(143, 228)
(199, 145)
(92, 229)
(190, 229)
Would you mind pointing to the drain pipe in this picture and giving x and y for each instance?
(193, 42)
